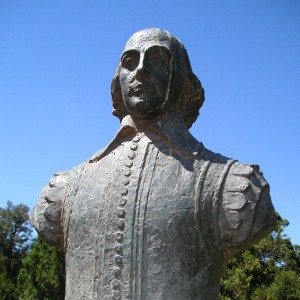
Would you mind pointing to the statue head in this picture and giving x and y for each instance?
(154, 78)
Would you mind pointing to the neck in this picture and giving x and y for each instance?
(173, 131)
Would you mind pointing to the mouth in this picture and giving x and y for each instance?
(139, 90)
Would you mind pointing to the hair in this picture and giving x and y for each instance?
(186, 93)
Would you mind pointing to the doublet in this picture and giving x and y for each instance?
(142, 220)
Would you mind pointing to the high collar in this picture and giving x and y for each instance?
(169, 130)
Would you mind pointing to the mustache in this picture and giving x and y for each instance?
(136, 85)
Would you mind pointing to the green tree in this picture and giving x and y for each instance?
(269, 270)
(42, 275)
(15, 242)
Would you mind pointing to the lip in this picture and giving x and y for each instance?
(139, 93)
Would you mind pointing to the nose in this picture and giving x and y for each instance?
(141, 71)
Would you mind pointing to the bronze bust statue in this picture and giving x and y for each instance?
(154, 215)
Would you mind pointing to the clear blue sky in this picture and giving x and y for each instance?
(57, 59)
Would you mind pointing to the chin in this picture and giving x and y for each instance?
(145, 105)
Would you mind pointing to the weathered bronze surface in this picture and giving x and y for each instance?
(154, 215)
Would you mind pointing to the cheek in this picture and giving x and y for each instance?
(124, 82)
(163, 81)
(163, 75)
(122, 79)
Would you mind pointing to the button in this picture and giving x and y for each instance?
(127, 172)
(133, 146)
(136, 138)
(125, 181)
(122, 202)
(119, 236)
(115, 284)
(121, 212)
(116, 271)
(116, 295)
(128, 163)
(118, 248)
(131, 155)
(124, 191)
(118, 259)
(120, 223)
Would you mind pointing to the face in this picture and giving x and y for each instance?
(145, 73)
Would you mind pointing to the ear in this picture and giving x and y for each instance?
(185, 106)
(191, 100)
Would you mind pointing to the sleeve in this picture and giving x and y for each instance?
(46, 216)
(246, 214)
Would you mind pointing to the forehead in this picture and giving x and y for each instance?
(143, 40)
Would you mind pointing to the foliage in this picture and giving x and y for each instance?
(42, 275)
(15, 242)
(7, 288)
(25, 274)
(267, 271)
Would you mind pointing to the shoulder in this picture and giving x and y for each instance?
(47, 215)
(246, 213)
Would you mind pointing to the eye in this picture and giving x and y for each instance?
(159, 57)
(130, 60)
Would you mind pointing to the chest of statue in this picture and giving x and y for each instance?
(135, 232)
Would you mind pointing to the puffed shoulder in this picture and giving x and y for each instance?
(47, 215)
(246, 213)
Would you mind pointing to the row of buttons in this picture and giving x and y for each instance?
(120, 220)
